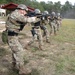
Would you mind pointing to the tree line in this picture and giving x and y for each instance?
(67, 10)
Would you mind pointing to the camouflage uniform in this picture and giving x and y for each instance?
(53, 24)
(44, 24)
(13, 25)
(36, 35)
(36, 31)
(58, 21)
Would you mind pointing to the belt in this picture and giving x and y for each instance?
(12, 33)
(37, 27)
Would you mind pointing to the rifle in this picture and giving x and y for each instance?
(33, 14)
(51, 18)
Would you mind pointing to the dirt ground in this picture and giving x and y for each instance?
(58, 58)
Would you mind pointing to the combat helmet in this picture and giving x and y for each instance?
(45, 12)
(58, 14)
(53, 13)
(22, 6)
(37, 11)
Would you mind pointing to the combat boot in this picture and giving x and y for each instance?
(41, 48)
(44, 34)
(47, 41)
(14, 68)
(24, 71)
(28, 45)
(51, 33)
(55, 33)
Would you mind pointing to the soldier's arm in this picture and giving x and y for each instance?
(31, 19)
(26, 19)
(21, 18)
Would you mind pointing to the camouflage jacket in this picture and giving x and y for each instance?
(15, 20)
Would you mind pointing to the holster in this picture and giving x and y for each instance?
(33, 32)
(5, 37)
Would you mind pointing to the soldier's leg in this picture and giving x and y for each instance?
(40, 39)
(47, 35)
(52, 28)
(55, 29)
(43, 28)
(17, 54)
(13, 62)
(58, 25)
(34, 37)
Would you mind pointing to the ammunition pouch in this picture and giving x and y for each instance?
(43, 27)
(33, 31)
(5, 37)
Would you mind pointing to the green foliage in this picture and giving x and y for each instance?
(49, 6)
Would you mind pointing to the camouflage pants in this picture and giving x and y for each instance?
(45, 32)
(37, 36)
(17, 52)
(53, 26)
(58, 24)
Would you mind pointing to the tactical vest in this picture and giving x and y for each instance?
(44, 20)
(13, 25)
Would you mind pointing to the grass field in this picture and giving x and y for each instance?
(58, 58)
(67, 31)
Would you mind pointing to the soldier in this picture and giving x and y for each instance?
(58, 21)
(36, 31)
(44, 23)
(53, 23)
(14, 24)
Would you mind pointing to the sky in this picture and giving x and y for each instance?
(62, 1)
